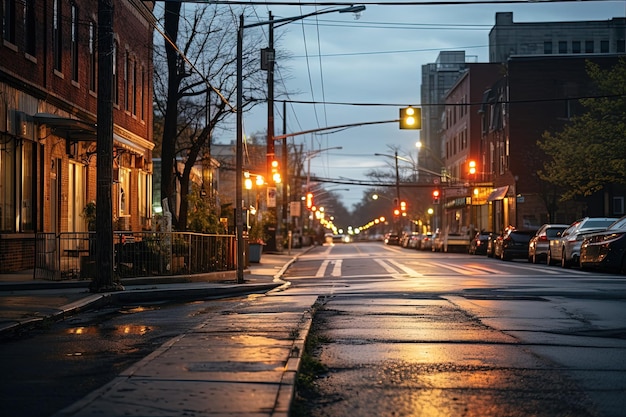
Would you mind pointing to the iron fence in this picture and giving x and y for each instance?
(135, 254)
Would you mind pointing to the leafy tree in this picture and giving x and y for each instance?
(590, 152)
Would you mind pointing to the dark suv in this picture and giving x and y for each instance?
(513, 243)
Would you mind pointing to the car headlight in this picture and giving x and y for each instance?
(602, 239)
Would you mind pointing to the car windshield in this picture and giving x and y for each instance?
(552, 232)
(597, 224)
(619, 224)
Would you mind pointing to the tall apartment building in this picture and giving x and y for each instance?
(48, 108)
(437, 78)
(508, 38)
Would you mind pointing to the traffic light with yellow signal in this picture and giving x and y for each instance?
(472, 167)
(309, 201)
(410, 118)
(275, 172)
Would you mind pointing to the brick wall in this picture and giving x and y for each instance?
(17, 253)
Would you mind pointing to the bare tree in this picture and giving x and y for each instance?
(195, 84)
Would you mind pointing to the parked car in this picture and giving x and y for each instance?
(606, 250)
(405, 239)
(566, 248)
(491, 244)
(478, 244)
(539, 244)
(513, 243)
(429, 244)
(426, 243)
(392, 239)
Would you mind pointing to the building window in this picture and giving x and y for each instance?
(621, 46)
(74, 42)
(589, 47)
(604, 47)
(7, 185)
(127, 82)
(547, 47)
(93, 57)
(135, 93)
(562, 47)
(142, 93)
(576, 47)
(30, 43)
(76, 197)
(9, 21)
(124, 192)
(145, 202)
(116, 90)
(618, 206)
(57, 38)
(18, 185)
(27, 215)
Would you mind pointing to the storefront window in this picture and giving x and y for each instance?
(7, 185)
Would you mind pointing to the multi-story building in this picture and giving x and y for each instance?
(538, 94)
(508, 38)
(539, 60)
(48, 108)
(437, 78)
(464, 191)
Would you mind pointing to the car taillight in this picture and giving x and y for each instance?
(543, 238)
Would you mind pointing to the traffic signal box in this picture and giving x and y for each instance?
(309, 201)
(435, 196)
(471, 167)
(410, 118)
(276, 172)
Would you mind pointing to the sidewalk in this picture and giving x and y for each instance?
(240, 364)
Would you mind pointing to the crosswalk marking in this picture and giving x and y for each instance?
(398, 269)
(336, 271)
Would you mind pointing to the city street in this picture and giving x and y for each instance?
(409, 333)
(401, 333)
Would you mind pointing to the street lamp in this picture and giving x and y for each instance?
(313, 154)
(239, 145)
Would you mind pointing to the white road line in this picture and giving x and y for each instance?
(322, 269)
(337, 268)
(387, 267)
(406, 269)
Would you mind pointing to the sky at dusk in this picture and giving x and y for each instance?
(376, 60)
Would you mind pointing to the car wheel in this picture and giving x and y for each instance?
(564, 263)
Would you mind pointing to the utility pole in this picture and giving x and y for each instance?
(103, 281)
(273, 228)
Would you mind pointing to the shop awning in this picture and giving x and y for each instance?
(498, 193)
(65, 127)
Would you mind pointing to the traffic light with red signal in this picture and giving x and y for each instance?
(435, 196)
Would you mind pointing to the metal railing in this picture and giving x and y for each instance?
(136, 254)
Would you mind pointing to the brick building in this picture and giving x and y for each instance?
(48, 107)
(538, 94)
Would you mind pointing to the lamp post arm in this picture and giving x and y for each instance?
(286, 20)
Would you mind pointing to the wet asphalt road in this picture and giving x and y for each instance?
(404, 333)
